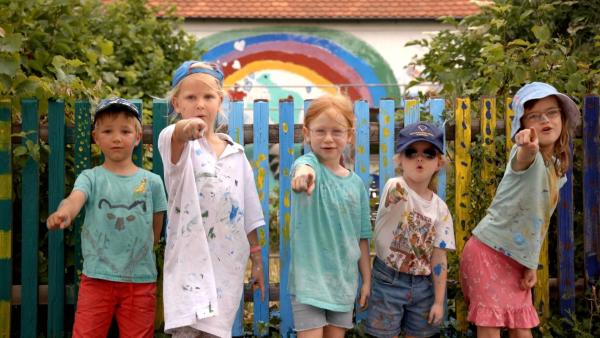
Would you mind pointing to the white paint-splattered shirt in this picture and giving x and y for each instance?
(406, 232)
(213, 205)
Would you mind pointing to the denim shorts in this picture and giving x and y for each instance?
(308, 317)
(399, 303)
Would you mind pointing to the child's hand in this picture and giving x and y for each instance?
(304, 180)
(58, 220)
(529, 279)
(365, 293)
(257, 278)
(436, 313)
(395, 195)
(528, 141)
(193, 128)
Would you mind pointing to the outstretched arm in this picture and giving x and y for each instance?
(304, 179)
(529, 146)
(185, 130)
(67, 211)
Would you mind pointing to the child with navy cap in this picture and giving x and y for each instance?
(124, 209)
(214, 211)
(499, 262)
(413, 231)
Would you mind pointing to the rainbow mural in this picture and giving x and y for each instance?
(296, 62)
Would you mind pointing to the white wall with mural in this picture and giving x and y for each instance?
(276, 61)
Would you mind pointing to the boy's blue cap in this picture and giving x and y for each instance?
(540, 90)
(117, 104)
(186, 69)
(420, 131)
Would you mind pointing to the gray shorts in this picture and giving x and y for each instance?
(308, 317)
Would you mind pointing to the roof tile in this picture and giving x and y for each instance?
(322, 9)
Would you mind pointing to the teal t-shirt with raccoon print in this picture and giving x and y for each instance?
(117, 236)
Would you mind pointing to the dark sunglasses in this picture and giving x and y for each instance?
(412, 153)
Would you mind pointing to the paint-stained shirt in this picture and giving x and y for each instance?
(117, 236)
(407, 231)
(326, 229)
(213, 205)
(517, 221)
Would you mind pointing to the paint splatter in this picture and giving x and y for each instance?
(519, 239)
(437, 269)
(443, 244)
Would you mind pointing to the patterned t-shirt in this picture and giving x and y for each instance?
(406, 232)
(117, 236)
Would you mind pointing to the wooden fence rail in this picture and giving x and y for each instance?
(369, 135)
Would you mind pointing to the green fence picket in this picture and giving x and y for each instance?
(30, 218)
(83, 160)
(56, 243)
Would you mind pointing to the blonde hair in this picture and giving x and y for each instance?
(209, 80)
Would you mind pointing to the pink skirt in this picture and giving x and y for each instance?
(490, 284)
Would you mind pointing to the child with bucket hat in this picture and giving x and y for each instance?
(214, 211)
(499, 262)
(413, 231)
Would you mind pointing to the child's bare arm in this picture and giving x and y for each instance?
(304, 179)
(185, 130)
(439, 263)
(258, 279)
(157, 224)
(364, 266)
(67, 211)
(528, 143)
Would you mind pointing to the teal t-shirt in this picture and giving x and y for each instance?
(117, 235)
(517, 221)
(326, 229)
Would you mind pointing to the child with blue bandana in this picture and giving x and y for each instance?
(214, 211)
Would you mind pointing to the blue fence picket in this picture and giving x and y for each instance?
(56, 243)
(286, 159)
(436, 109)
(591, 193)
(386, 141)
(30, 217)
(306, 105)
(411, 111)
(363, 150)
(235, 128)
(261, 167)
(361, 167)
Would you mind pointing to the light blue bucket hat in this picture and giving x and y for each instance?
(540, 90)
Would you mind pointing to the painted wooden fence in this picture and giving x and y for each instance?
(460, 131)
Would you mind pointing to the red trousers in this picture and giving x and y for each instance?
(134, 305)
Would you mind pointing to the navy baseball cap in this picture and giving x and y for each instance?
(540, 90)
(420, 131)
(186, 69)
(117, 104)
